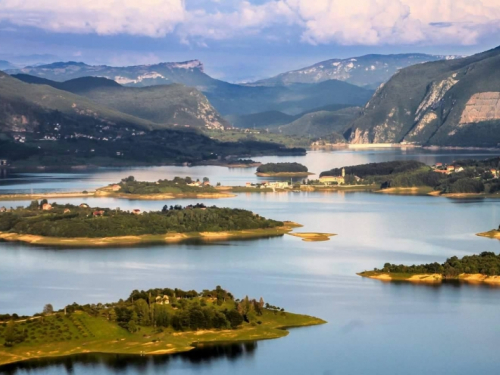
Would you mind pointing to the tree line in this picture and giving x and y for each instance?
(75, 221)
(282, 168)
(486, 263)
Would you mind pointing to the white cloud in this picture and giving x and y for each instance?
(372, 22)
(348, 22)
(152, 18)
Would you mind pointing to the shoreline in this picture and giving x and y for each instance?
(179, 341)
(430, 278)
(99, 193)
(285, 174)
(148, 239)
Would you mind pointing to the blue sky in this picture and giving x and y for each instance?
(241, 40)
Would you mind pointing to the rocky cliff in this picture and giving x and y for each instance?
(448, 103)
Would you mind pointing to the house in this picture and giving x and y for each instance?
(3, 209)
(98, 213)
(206, 183)
(327, 180)
(66, 211)
(165, 300)
(84, 205)
(136, 211)
(195, 183)
(439, 165)
(450, 168)
(115, 187)
(248, 184)
(494, 172)
(46, 207)
(459, 169)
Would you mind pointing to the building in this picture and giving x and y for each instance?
(136, 211)
(438, 165)
(98, 213)
(328, 180)
(115, 187)
(84, 205)
(46, 207)
(3, 209)
(450, 168)
(494, 172)
(4, 163)
(66, 211)
(165, 300)
(459, 169)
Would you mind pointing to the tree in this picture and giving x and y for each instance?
(206, 179)
(234, 318)
(48, 309)
(9, 334)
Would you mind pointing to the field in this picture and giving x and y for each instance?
(62, 335)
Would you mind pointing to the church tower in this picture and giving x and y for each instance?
(343, 172)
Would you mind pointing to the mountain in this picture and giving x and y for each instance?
(273, 119)
(43, 125)
(227, 98)
(5, 65)
(27, 107)
(446, 103)
(167, 105)
(366, 71)
(321, 123)
(189, 73)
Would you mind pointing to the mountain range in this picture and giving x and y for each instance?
(366, 71)
(227, 98)
(166, 105)
(445, 103)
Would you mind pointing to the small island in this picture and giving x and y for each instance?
(482, 268)
(494, 233)
(42, 223)
(283, 170)
(130, 188)
(152, 322)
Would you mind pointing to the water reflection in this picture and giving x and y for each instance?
(118, 363)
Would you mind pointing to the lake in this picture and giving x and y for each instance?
(373, 327)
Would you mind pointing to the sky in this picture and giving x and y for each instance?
(241, 40)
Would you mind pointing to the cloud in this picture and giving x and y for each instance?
(154, 18)
(345, 22)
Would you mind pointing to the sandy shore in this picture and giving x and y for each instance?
(148, 239)
(312, 237)
(432, 278)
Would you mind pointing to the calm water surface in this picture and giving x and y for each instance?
(373, 327)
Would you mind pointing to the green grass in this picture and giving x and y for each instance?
(59, 335)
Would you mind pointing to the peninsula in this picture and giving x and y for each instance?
(482, 268)
(283, 170)
(460, 179)
(152, 322)
(42, 223)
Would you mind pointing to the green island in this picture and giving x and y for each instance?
(462, 178)
(42, 223)
(283, 169)
(482, 268)
(153, 322)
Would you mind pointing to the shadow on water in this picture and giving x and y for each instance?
(117, 363)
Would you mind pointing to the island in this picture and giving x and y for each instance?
(460, 179)
(152, 322)
(43, 223)
(494, 233)
(482, 268)
(130, 188)
(283, 170)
